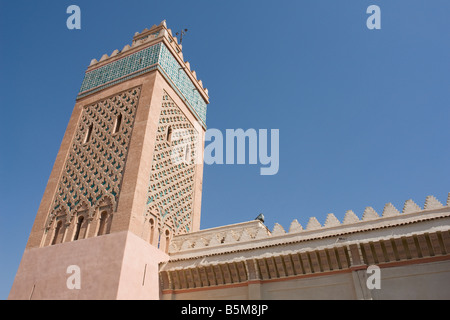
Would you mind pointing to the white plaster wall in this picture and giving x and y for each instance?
(419, 281)
(330, 287)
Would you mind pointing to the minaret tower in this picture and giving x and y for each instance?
(127, 177)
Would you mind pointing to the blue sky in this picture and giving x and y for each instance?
(363, 114)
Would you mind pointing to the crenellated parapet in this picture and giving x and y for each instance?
(248, 255)
(152, 49)
(247, 235)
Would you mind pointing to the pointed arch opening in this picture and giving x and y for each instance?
(88, 135)
(57, 232)
(169, 134)
(102, 225)
(78, 228)
(187, 154)
(118, 123)
(167, 234)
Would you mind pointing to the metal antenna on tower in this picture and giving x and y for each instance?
(182, 33)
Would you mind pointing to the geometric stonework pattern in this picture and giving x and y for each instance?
(94, 166)
(171, 187)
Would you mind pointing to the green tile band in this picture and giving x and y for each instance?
(148, 59)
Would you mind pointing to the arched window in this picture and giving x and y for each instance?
(167, 241)
(87, 137)
(78, 229)
(118, 123)
(102, 226)
(152, 230)
(169, 134)
(57, 229)
(187, 155)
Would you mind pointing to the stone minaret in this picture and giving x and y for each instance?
(127, 177)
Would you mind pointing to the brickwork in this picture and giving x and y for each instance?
(102, 180)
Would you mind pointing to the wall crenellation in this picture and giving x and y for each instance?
(256, 230)
(145, 37)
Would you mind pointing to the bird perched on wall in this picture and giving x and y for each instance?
(260, 217)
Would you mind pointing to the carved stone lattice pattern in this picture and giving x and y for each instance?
(171, 187)
(93, 169)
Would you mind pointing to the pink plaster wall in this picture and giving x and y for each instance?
(112, 267)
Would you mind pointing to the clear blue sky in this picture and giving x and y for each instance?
(363, 114)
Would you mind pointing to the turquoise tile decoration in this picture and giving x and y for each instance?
(182, 81)
(120, 68)
(154, 57)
